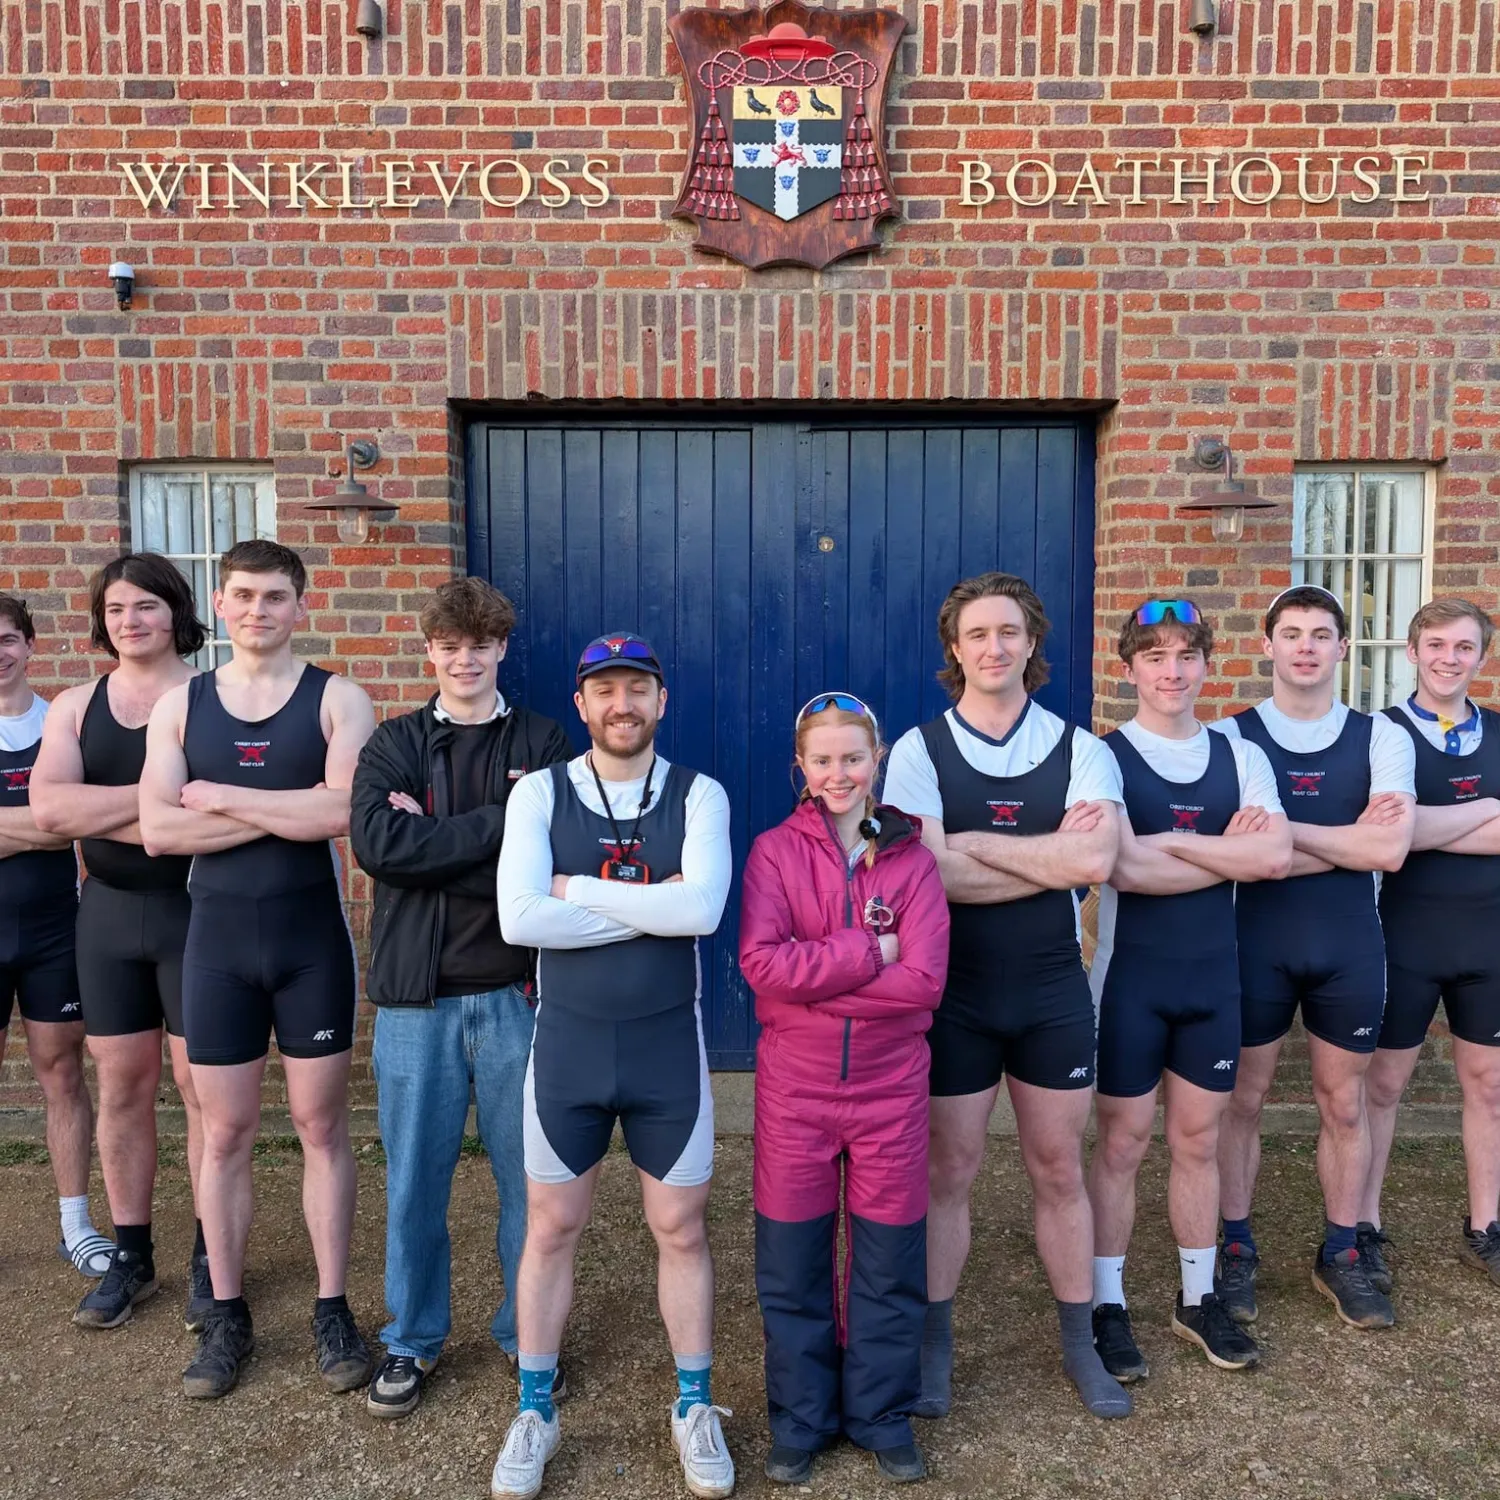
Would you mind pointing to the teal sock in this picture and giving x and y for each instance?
(536, 1373)
(692, 1382)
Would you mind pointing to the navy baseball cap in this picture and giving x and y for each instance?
(619, 650)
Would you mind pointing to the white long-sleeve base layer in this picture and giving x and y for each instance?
(596, 911)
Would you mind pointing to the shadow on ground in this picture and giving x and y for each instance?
(1332, 1412)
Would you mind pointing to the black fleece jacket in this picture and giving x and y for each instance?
(417, 862)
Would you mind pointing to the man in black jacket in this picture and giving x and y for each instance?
(453, 997)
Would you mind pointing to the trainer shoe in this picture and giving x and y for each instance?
(1115, 1341)
(1210, 1327)
(1344, 1282)
(903, 1465)
(1372, 1243)
(788, 1465)
(698, 1438)
(1481, 1249)
(223, 1346)
(1235, 1283)
(397, 1386)
(344, 1358)
(126, 1282)
(523, 1457)
(200, 1299)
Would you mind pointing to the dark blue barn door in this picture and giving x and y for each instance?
(768, 561)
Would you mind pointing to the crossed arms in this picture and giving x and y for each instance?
(179, 816)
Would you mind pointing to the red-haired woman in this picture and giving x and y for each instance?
(844, 939)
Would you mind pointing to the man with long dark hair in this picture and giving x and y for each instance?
(38, 906)
(133, 912)
(1020, 810)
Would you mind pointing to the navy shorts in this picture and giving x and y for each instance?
(1041, 1031)
(650, 1074)
(1442, 956)
(1160, 1015)
(282, 963)
(37, 967)
(130, 946)
(1332, 965)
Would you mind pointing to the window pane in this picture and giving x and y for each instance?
(151, 523)
(1390, 594)
(184, 513)
(1335, 576)
(223, 509)
(1385, 677)
(1393, 513)
(1323, 515)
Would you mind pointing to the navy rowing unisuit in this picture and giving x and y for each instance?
(134, 909)
(1441, 911)
(1017, 999)
(268, 946)
(1314, 940)
(1169, 993)
(38, 896)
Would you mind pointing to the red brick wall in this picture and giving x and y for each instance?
(1299, 333)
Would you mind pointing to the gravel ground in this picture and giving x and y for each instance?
(1332, 1412)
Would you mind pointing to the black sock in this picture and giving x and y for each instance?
(199, 1248)
(136, 1238)
(330, 1304)
(233, 1307)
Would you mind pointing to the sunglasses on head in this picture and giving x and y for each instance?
(846, 701)
(1155, 611)
(615, 650)
(1316, 588)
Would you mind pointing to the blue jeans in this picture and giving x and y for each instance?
(425, 1063)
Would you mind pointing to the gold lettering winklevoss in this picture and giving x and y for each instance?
(399, 183)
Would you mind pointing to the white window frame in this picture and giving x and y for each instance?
(264, 477)
(1360, 650)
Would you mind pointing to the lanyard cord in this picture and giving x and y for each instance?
(627, 852)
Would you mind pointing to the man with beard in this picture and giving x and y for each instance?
(133, 913)
(613, 865)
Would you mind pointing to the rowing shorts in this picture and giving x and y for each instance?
(130, 946)
(650, 1073)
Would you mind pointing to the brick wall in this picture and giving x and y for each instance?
(1301, 333)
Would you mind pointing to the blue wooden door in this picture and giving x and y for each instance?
(768, 561)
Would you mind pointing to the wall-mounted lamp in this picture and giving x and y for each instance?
(1205, 17)
(123, 276)
(1227, 502)
(368, 20)
(352, 503)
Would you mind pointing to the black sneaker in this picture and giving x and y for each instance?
(200, 1299)
(903, 1465)
(1372, 1244)
(1210, 1327)
(344, 1359)
(397, 1386)
(1344, 1282)
(1115, 1341)
(1235, 1283)
(788, 1465)
(1481, 1249)
(223, 1346)
(127, 1281)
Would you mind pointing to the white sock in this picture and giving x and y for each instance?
(1109, 1280)
(76, 1223)
(1197, 1274)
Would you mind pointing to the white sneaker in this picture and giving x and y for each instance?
(699, 1440)
(528, 1445)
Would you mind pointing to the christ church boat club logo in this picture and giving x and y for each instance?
(788, 164)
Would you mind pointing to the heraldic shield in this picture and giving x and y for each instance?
(788, 163)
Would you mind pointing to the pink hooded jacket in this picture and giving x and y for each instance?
(805, 948)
